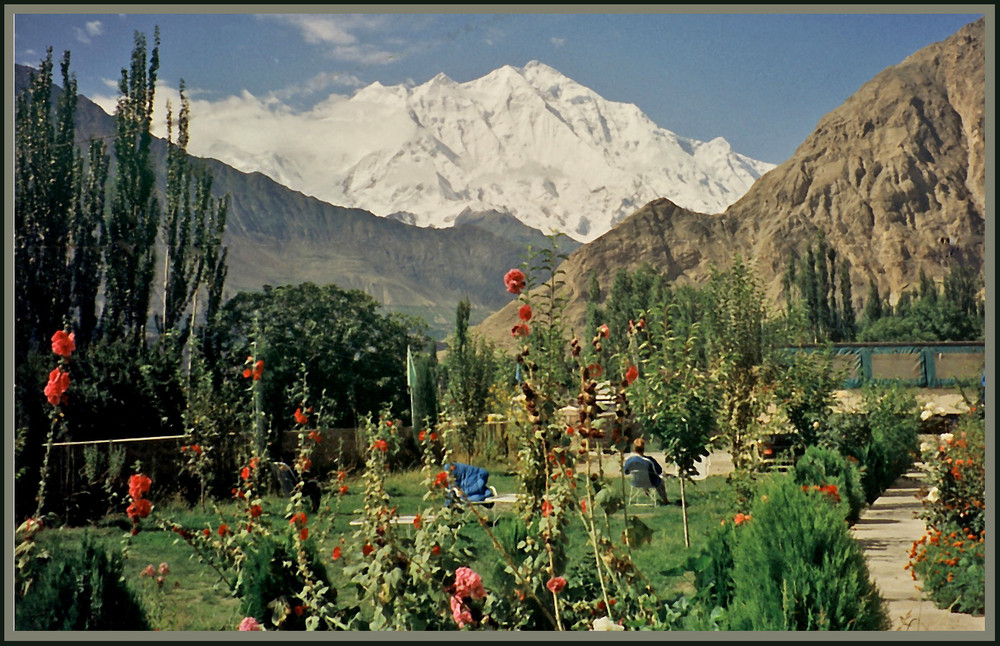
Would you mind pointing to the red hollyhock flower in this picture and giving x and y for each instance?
(315, 437)
(546, 508)
(206, 532)
(140, 508)
(336, 553)
(304, 533)
(514, 280)
(298, 519)
(258, 370)
(441, 480)
(417, 521)
(521, 329)
(256, 511)
(594, 370)
(138, 485)
(740, 518)
(245, 473)
(367, 549)
(604, 331)
(63, 344)
(436, 550)
(223, 529)
(57, 386)
(343, 490)
(524, 313)
(300, 418)
(381, 445)
(422, 435)
(556, 584)
(631, 375)
(247, 373)
(196, 448)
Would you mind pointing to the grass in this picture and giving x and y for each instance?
(193, 599)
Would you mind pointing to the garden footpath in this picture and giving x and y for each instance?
(886, 531)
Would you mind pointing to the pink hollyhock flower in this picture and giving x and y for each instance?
(514, 280)
(148, 571)
(468, 583)
(524, 313)
(460, 613)
(556, 584)
(63, 344)
(57, 386)
(249, 623)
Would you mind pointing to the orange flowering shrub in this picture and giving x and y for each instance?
(950, 557)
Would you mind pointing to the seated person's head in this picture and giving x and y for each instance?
(639, 445)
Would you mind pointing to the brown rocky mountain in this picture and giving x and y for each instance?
(894, 178)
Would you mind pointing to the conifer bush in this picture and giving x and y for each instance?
(81, 589)
(823, 467)
(796, 567)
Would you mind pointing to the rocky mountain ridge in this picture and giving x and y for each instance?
(894, 179)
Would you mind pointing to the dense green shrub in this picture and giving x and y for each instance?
(713, 567)
(796, 567)
(882, 438)
(822, 466)
(81, 589)
(270, 579)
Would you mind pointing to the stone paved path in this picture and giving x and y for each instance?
(886, 531)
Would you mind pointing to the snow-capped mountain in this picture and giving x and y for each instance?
(528, 141)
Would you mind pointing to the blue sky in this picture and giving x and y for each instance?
(760, 80)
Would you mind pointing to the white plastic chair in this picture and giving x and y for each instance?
(641, 485)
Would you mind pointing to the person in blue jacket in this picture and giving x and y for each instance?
(471, 480)
(642, 461)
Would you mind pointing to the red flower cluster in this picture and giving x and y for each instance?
(524, 313)
(441, 480)
(256, 371)
(58, 384)
(515, 281)
(138, 486)
(315, 437)
(740, 518)
(300, 418)
(194, 448)
(830, 490)
(63, 344)
(381, 445)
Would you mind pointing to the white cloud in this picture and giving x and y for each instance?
(557, 42)
(347, 37)
(89, 30)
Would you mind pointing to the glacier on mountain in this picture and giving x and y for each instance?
(528, 141)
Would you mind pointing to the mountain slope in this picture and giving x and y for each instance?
(894, 178)
(526, 141)
(278, 236)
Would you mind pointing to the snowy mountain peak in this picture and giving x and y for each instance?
(527, 141)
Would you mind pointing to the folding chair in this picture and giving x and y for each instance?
(287, 479)
(641, 486)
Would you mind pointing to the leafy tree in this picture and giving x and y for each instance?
(470, 369)
(347, 346)
(129, 235)
(873, 305)
(193, 226)
(47, 183)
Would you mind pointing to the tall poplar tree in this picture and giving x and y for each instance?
(129, 234)
(192, 229)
